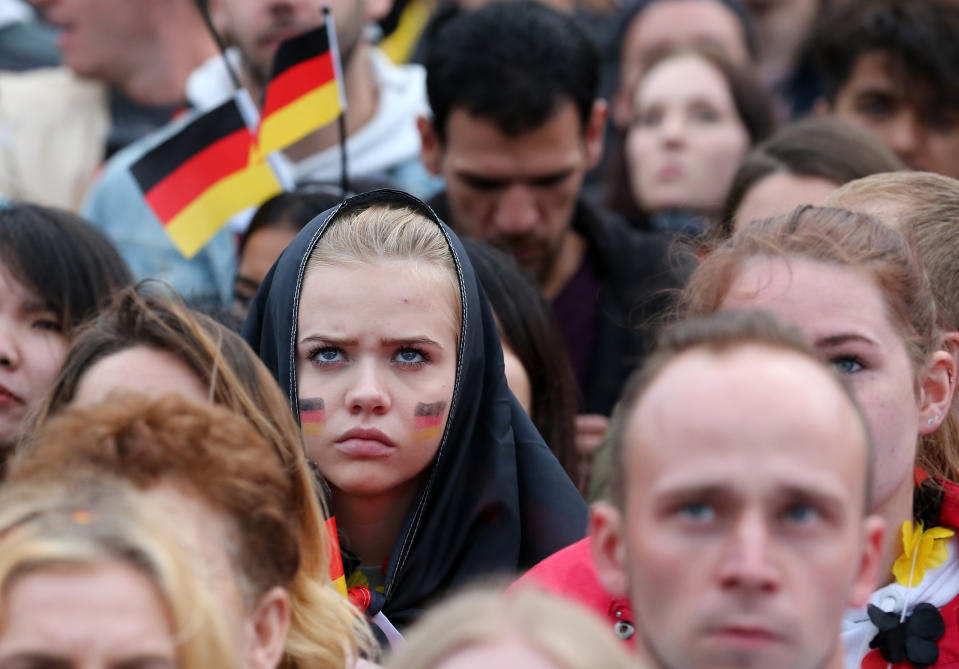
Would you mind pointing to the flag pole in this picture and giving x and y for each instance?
(244, 101)
(204, 7)
(341, 94)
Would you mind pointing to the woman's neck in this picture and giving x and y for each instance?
(371, 524)
(895, 510)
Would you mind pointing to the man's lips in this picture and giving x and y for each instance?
(746, 635)
(364, 442)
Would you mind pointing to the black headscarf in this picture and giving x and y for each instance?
(496, 499)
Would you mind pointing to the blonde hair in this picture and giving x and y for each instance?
(566, 634)
(88, 523)
(382, 233)
(925, 207)
(323, 625)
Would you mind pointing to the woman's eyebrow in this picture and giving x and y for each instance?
(844, 338)
(338, 341)
(401, 341)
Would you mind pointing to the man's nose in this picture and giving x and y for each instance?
(904, 135)
(747, 559)
(516, 212)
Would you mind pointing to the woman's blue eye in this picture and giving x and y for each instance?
(327, 355)
(847, 364)
(410, 356)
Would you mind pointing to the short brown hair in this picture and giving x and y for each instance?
(822, 147)
(718, 333)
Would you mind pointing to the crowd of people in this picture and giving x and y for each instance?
(625, 334)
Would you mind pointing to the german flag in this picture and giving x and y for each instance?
(303, 94)
(203, 175)
(336, 557)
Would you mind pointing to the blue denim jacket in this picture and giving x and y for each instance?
(116, 206)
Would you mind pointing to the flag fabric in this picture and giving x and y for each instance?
(207, 172)
(304, 92)
(336, 557)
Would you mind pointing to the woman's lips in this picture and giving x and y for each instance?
(669, 172)
(361, 442)
(7, 397)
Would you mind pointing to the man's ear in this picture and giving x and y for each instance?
(267, 629)
(377, 9)
(596, 133)
(431, 149)
(867, 578)
(936, 391)
(608, 546)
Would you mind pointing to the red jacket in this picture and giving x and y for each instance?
(570, 573)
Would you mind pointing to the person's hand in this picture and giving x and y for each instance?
(590, 430)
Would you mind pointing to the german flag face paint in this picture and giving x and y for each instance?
(429, 420)
(312, 416)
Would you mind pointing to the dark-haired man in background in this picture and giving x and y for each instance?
(516, 124)
(890, 66)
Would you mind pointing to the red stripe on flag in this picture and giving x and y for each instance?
(428, 421)
(196, 175)
(297, 81)
(314, 416)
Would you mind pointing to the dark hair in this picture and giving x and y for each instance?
(514, 64)
(718, 333)
(295, 209)
(921, 38)
(753, 104)
(288, 210)
(62, 259)
(527, 326)
(631, 9)
(826, 148)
